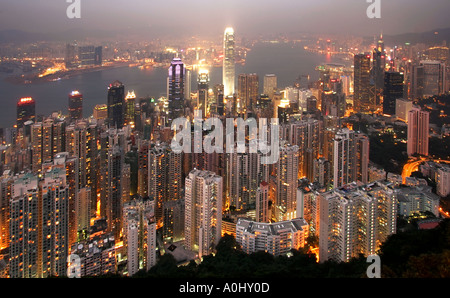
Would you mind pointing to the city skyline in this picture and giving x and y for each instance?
(226, 157)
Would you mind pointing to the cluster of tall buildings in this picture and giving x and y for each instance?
(106, 191)
(83, 56)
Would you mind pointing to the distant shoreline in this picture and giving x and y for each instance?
(62, 75)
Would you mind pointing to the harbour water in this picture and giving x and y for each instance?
(288, 61)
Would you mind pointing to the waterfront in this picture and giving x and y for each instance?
(287, 61)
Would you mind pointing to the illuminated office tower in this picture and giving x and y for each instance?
(402, 108)
(75, 106)
(24, 224)
(130, 103)
(270, 85)
(275, 238)
(70, 58)
(47, 139)
(157, 179)
(111, 157)
(188, 84)
(55, 213)
(248, 91)
(362, 157)
(418, 131)
(176, 89)
(36, 147)
(322, 172)
(143, 149)
(356, 219)
(286, 182)
(86, 55)
(344, 157)
(81, 142)
(173, 224)
(39, 225)
(393, 90)
(70, 164)
(116, 105)
(98, 56)
(229, 68)
(76, 145)
(132, 244)
(361, 98)
(443, 181)
(100, 112)
(26, 110)
(440, 53)
(83, 209)
(262, 202)
(6, 181)
(202, 98)
(139, 233)
(203, 211)
(165, 174)
(428, 79)
(245, 172)
(114, 189)
(377, 77)
(306, 134)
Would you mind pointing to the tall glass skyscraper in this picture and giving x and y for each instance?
(75, 105)
(228, 62)
(176, 82)
(116, 104)
(26, 110)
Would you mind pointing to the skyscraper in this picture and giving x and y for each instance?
(361, 97)
(114, 189)
(176, 89)
(362, 157)
(164, 178)
(248, 91)
(116, 104)
(262, 202)
(428, 79)
(350, 157)
(270, 85)
(229, 62)
(286, 182)
(87, 55)
(75, 106)
(202, 101)
(70, 59)
(26, 110)
(203, 211)
(418, 131)
(130, 103)
(355, 219)
(393, 90)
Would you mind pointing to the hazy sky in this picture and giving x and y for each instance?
(204, 17)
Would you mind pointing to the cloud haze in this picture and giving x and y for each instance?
(206, 17)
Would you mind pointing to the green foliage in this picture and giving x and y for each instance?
(410, 254)
(388, 153)
(416, 253)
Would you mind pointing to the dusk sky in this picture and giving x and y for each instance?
(207, 17)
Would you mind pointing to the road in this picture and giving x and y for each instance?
(413, 166)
